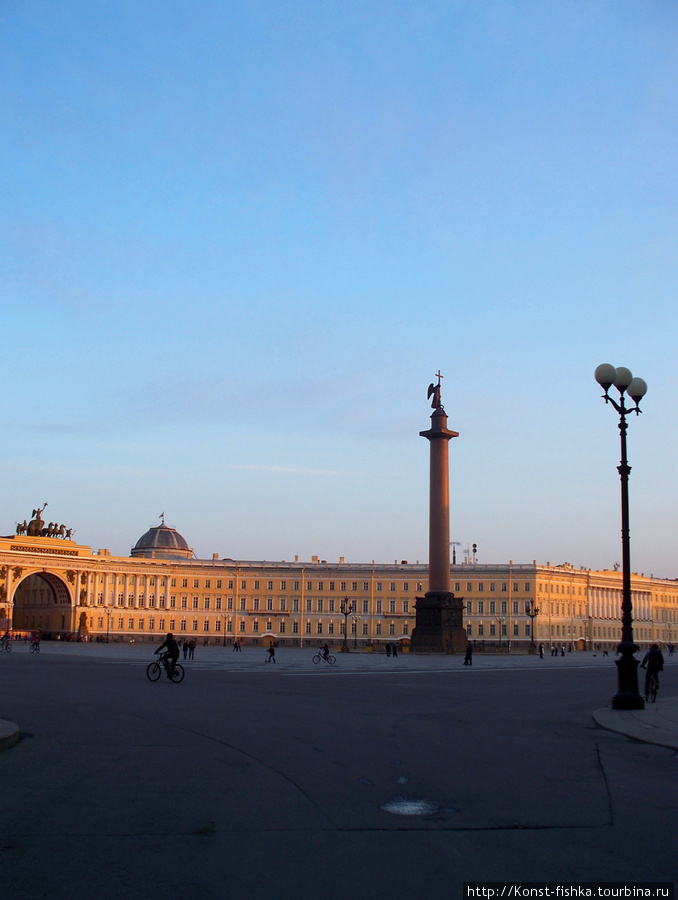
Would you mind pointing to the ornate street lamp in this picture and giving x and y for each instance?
(627, 695)
(346, 609)
(533, 611)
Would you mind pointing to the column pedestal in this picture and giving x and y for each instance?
(439, 624)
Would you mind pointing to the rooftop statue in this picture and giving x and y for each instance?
(36, 527)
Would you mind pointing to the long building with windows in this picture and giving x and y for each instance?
(64, 590)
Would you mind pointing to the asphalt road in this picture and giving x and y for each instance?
(291, 780)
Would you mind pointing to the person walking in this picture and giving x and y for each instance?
(468, 657)
(191, 648)
(271, 654)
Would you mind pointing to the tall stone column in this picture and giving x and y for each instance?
(439, 614)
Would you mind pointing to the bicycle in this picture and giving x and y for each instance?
(6, 645)
(154, 669)
(34, 648)
(652, 687)
(329, 659)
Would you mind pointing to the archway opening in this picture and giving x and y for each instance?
(41, 603)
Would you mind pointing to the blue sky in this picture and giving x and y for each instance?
(237, 240)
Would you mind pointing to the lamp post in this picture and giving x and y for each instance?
(354, 627)
(533, 611)
(346, 609)
(500, 621)
(108, 623)
(627, 695)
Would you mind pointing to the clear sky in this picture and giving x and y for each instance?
(238, 238)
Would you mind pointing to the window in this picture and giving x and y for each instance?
(406, 586)
(504, 607)
(173, 582)
(195, 603)
(256, 585)
(320, 604)
(332, 586)
(182, 625)
(217, 602)
(206, 625)
(161, 625)
(255, 603)
(516, 608)
(184, 582)
(270, 585)
(354, 585)
(208, 582)
(515, 586)
(295, 627)
(281, 626)
(391, 628)
(184, 602)
(392, 586)
(217, 625)
(296, 585)
(481, 607)
(243, 585)
(469, 607)
(366, 585)
(308, 628)
(219, 584)
(173, 602)
(378, 606)
(457, 587)
(406, 606)
(492, 586)
(255, 626)
(206, 603)
(342, 586)
(366, 606)
(391, 606)
(242, 626)
(469, 587)
(308, 604)
(321, 586)
(481, 586)
(379, 585)
(379, 628)
(330, 628)
(283, 585)
(320, 626)
(493, 607)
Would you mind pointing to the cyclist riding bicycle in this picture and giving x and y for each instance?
(326, 651)
(170, 658)
(653, 661)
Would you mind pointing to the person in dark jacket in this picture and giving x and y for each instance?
(653, 662)
(172, 655)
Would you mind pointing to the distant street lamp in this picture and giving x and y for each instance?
(346, 609)
(533, 611)
(501, 621)
(627, 695)
(354, 627)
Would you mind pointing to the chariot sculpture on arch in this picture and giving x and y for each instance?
(37, 528)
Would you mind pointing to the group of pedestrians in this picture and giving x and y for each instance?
(391, 649)
(188, 648)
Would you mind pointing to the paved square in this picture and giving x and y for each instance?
(291, 779)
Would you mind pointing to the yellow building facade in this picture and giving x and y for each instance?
(65, 590)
